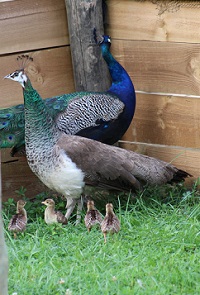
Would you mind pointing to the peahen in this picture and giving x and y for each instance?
(103, 116)
(68, 163)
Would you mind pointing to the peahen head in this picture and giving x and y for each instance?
(20, 75)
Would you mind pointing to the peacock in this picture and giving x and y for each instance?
(69, 163)
(103, 116)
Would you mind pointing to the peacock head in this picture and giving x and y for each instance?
(18, 76)
(105, 39)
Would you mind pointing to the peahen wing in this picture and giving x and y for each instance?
(115, 168)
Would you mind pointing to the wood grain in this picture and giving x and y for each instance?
(174, 21)
(90, 71)
(17, 8)
(160, 66)
(36, 26)
(182, 158)
(166, 120)
(17, 174)
(50, 73)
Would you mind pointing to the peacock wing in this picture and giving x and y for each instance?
(89, 110)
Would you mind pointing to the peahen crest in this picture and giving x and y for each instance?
(23, 60)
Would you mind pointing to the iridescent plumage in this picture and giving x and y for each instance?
(103, 116)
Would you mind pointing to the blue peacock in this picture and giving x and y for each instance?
(69, 164)
(103, 116)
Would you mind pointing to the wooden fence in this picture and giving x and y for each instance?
(158, 42)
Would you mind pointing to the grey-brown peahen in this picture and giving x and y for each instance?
(103, 116)
(68, 163)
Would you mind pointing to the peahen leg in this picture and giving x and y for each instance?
(79, 210)
(71, 203)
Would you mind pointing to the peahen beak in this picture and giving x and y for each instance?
(18, 76)
(7, 77)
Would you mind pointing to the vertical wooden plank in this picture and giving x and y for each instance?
(3, 251)
(90, 71)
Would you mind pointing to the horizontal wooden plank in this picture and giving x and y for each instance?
(160, 66)
(154, 20)
(182, 158)
(166, 120)
(36, 26)
(16, 8)
(17, 174)
(51, 74)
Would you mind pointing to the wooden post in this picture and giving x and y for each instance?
(90, 70)
(3, 251)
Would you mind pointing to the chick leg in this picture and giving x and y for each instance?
(104, 234)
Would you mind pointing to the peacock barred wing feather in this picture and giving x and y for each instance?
(84, 114)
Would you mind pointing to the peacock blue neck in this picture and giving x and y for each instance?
(37, 118)
(122, 85)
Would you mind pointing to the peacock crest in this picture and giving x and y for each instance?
(99, 39)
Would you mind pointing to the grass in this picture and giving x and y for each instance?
(157, 250)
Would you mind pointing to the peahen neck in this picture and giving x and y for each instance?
(122, 85)
(39, 125)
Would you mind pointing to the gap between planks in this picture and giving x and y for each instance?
(168, 94)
